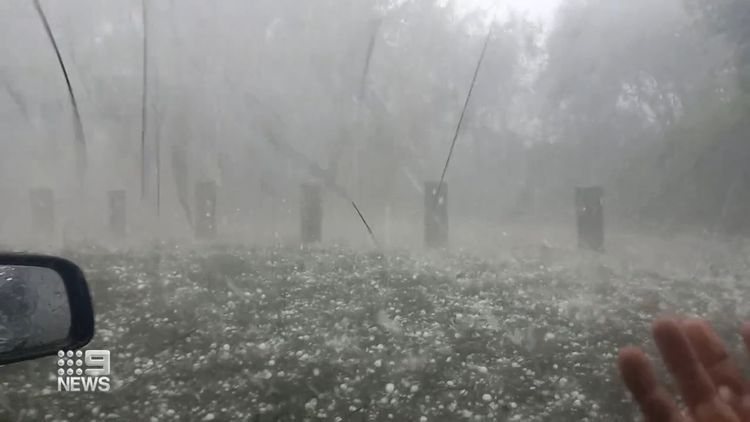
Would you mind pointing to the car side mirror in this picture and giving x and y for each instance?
(45, 307)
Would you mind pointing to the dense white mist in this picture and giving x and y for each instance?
(369, 92)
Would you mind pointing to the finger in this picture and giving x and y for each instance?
(722, 369)
(692, 379)
(639, 377)
(744, 408)
(713, 355)
(745, 331)
(715, 410)
(745, 399)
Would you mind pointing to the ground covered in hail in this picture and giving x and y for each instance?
(328, 334)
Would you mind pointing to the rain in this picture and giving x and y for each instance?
(372, 210)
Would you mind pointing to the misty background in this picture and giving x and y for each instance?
(647, 99)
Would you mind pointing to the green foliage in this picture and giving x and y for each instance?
(699, 170)
(731, 19)
(652, 102)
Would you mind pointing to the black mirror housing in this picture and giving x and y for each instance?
(67, 325)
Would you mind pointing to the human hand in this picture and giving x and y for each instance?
(709, 381)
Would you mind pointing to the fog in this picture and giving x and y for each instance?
(364, 97)
(510, 191)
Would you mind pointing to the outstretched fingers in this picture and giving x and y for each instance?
(713, 355)
(693, 380)
(654, 401)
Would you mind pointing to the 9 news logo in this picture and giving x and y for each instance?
(79, 371)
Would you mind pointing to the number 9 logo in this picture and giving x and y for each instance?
(97, 363)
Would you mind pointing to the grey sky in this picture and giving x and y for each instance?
(536, 9)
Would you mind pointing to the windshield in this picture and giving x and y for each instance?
(405, 210)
